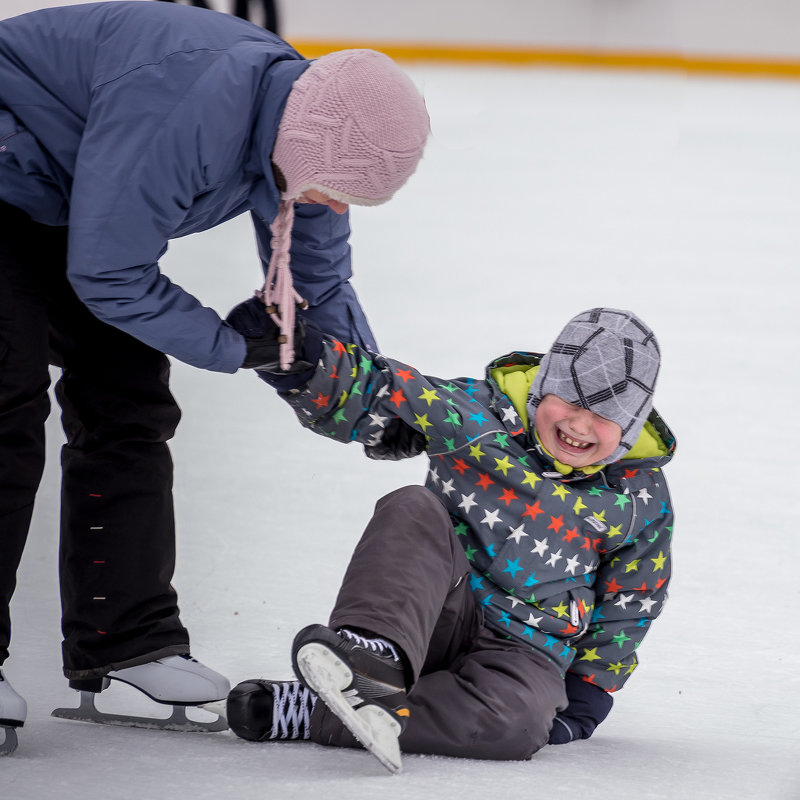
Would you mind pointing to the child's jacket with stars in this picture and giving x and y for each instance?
(575, 564)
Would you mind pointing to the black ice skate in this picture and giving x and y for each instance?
(264, 711)
(13, 711)
(179, 681)
(361, 680)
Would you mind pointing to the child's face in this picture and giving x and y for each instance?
(573, 435)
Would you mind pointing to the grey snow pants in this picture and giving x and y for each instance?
(475, 694)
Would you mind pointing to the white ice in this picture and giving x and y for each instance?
(542, 193)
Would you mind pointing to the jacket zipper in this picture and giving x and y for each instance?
(631, 527)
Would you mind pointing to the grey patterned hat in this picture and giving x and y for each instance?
(607, 361)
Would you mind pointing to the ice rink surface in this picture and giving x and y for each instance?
(542, 193)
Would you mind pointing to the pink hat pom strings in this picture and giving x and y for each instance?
(278, 293)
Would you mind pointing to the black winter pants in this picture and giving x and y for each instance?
(475, 694)
(117, 550)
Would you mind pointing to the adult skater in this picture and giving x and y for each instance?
(122, 126)
(495, 610)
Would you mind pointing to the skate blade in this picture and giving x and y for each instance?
(218, 707)
(373, 727)
(87, 711)
(9, 743)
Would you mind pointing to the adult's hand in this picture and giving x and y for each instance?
(263, 338)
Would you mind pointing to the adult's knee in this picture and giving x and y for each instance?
(130, 402)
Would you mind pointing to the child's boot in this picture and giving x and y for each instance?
(361, 678)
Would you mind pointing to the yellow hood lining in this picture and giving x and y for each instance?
(515, 382)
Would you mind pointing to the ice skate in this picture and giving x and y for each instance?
(177, 681)
(264, 711)
(13, 711)
(361, 680)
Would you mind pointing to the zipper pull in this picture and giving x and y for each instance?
(574, 614)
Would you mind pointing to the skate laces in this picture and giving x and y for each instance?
(377, 644)
(292, 704)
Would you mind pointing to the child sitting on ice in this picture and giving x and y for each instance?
(494, 610)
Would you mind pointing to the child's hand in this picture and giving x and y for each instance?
(588, 706)
(399, 441)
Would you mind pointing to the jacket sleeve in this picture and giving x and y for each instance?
(146, 155)
(320, 260)
(354, 395)
(631, 586)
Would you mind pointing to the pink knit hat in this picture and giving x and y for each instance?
(354, 128)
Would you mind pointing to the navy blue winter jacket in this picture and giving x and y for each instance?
(134, 123)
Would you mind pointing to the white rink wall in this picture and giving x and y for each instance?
(734, 29)
(730, 27)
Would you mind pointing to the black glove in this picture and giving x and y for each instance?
(588, 707)
(399, 441)
(263, 338)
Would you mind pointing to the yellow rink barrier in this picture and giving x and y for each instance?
(522, 57)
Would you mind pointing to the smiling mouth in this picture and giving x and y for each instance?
(562, 437)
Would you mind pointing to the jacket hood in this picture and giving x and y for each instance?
(276, 85)
(512, 375)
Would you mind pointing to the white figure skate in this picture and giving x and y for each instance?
(179, 681)
(13, 711)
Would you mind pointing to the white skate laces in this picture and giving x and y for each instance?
(377, 644)
(292, 704)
